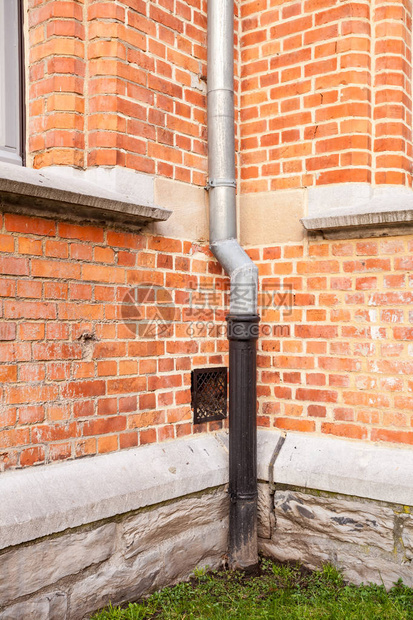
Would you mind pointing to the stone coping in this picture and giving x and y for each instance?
(48, 499)
(355, 468)
(43, 500)
(64, 196)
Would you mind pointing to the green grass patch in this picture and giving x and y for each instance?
(277, 592)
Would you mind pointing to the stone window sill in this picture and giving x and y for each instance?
(358, 211)
(25, 190)
(360, 225)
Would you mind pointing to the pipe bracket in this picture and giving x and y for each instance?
(220, 183)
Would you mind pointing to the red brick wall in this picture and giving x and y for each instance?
(56, 83)
(76, 378)
(119, 83)
(340, 362)
(325, 89)
(325, 93)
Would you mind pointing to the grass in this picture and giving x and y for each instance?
(278, 592)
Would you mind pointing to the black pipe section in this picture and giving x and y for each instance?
(242, 335)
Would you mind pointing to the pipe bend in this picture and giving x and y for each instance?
(243, 273)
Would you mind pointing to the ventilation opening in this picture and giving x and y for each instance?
(209, 394)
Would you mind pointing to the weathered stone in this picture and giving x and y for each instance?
(365, 569)
(51, 606)
(407, 535)
(157, 547)
(167, 561)
(264, 511)
(116, 583)
(200, 547)
(147, 529)
(359, 564)
(24, 570)
(339, 519)
(357, 537)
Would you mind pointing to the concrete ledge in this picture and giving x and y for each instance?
(338, 465)
(49, 499)
(65, 196)
(358, 210)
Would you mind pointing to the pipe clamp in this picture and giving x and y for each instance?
(220, 183)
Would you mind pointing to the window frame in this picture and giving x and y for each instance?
(16, 154)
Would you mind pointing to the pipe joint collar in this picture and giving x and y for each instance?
(243, 326)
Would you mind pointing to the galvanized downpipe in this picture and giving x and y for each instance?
(243, 318)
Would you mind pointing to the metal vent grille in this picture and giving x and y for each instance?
(209, 394)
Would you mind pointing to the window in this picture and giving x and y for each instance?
(11, 82)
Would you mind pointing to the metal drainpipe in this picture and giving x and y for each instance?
(243, 318)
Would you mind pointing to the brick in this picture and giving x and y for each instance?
(294, 424)
(147, 436)
(8, 374)
(29, 310)
(30, 456)
(103, 274)
(315, 331)
(29, 394)
(83, 389)
(103, 426)
(107, 444)
(31, 414)
(56, 249)
(29, 289)
(128, 440)
(84, 233)
(14, 266)
(55, 269)
(33, 226)
(13, 437)
(7, 331)
(322, 396)
(317, 411)
(127, 385)
(60, 451)
(32, 331)
(351, 431)
(6, 243)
